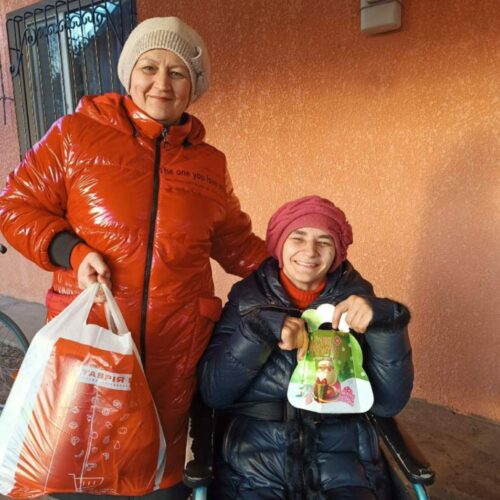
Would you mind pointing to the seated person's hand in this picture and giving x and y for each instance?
(92, 269)
(294, 336)
(359, 313)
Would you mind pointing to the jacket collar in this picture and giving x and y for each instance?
(263, 289)
(189, 130)
(121, 113)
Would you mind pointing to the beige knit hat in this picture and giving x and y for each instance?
(172, 34)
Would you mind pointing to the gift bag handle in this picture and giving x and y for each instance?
(324, 314)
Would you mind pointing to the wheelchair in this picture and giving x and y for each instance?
(409, 470)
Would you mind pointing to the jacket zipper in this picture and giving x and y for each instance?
(151, 237)
(273, 307)
(287, 309)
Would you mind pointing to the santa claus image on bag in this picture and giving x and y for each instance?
(326, 386)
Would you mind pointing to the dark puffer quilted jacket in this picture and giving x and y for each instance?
(303, 455)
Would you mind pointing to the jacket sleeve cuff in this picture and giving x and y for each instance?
(79, 252)
(258, 336)
(274, 321)
(388, 313)
(60, 248)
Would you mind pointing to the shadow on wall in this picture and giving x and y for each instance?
(459, 234)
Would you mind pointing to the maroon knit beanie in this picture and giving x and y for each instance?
(310, 211)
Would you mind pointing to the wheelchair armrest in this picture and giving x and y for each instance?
(199, 447)
(403, 448)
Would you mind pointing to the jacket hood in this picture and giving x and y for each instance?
(121, 113)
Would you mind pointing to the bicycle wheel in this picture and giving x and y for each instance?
(13, 345)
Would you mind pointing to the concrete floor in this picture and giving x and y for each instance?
(464, 451)
(30, 316)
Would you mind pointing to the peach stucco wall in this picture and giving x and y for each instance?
(400, 130)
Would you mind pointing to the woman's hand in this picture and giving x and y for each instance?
(294, 336)
(359, 313)
(92, 269)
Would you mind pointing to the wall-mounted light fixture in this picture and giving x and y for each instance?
(380, 16)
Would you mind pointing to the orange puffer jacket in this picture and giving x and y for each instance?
(157, 205)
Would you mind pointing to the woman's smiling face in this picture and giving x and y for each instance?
(160, 85)
(308, 254)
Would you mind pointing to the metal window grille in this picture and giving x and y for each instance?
(4, 99)
(60, 51)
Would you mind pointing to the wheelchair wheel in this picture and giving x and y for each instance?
(13, 346)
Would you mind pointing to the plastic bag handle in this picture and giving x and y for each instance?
(88, 295)
(114, 317)
(116, 322)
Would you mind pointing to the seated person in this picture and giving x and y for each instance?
(267, 449)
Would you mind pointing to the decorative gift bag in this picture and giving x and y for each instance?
(80, 416)
(330, 378)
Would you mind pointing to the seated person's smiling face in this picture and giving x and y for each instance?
(308, 254)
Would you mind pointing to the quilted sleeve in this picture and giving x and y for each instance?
(234, 246)
(388, 363)
(387, 356)
(33, 202)
(240, 347)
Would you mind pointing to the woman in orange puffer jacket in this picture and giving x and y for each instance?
(125, 191)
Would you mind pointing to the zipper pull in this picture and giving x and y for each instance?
(164, 133)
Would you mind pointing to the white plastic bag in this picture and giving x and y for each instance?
(80, 416)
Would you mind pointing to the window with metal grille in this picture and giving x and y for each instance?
(60, 51)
